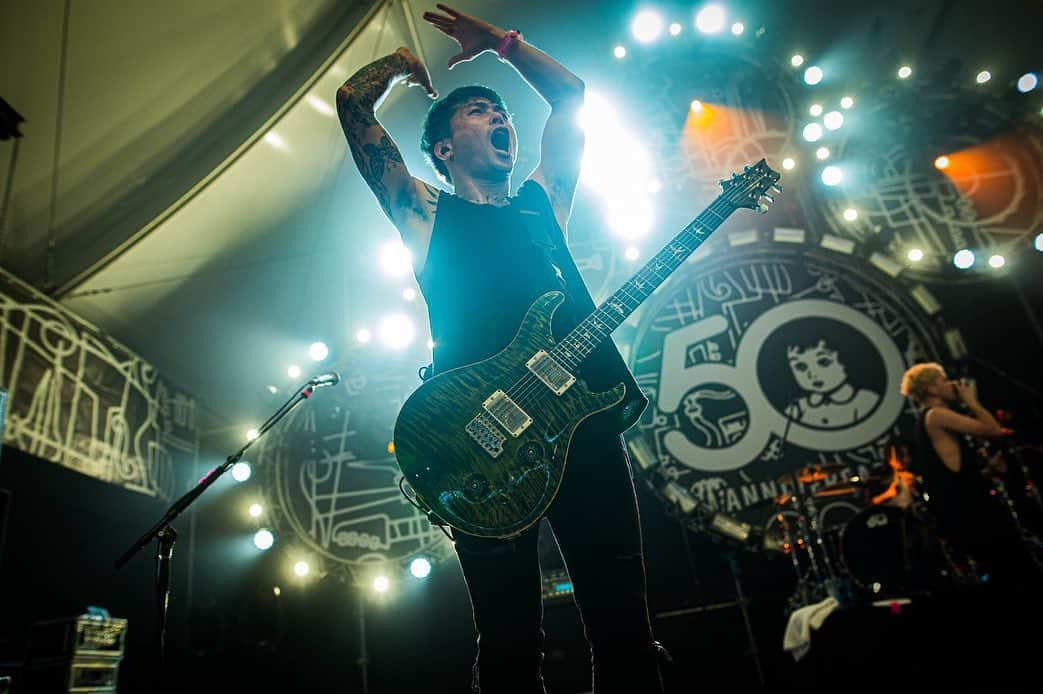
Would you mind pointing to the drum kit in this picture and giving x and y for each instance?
(840, 544)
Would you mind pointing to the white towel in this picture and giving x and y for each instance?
(797, 640)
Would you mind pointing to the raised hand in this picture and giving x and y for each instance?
(474, 35)
(417, 75)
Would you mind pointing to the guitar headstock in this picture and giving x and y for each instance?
(750, 188)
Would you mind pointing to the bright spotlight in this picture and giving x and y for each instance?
(631, 253)
(619, 51)
(833, 120)
(272, 389)
(647, 26)
(788, 164)
(420, 567)
(1027, 82)
(813, 75)
(293, 371)
(675, 28)
(915, 255)
(318, 351)
(738, 28)
(815, 110)
(963, 259)
(822, 153)
(381, 584)
(430, 344)
(710, 19)
(395, 259)
(256, 510)
(797, 60)
(812, 132)
(904, 72)
(409, 294)
(363, 336)
(263, 539)
(941, 162)
(654, 186)
(983, 77)
(696, 106)
(241, 471)
(997, 261)
(1038, 244)
(397, 331)
(832, 175)
(301, 568)
(850, 214)
(847, 102)
(252, 434)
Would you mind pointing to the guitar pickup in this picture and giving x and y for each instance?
(505, 411)
(553, 375)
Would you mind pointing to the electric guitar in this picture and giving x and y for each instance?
(483, 446)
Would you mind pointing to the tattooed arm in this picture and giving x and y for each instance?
(407, 201)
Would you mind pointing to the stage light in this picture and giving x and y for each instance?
(319, 104)
(832, 175)
(963, 259)
(256, 510)
(675, 28)
(738, 28)
(822, 153)
(395, 259)
(850, 214)
(363, 336)
(272, 389)
(847, 102)
(696, 106)
(813, 75)
(397, 331)
(301, 568)
(812, 132)
(275, 140)
(293, 371)
(619, 51)
(710, 19)
(815, 110)
(276, 591)
(915, 255)
(983, 77)
(318, 351)
(788, 164)
(241, 471)
(263, 539)
(797, 60)
(1038, 244)
(631, 253)
(420, 567)
(409, 294)
(1028, 82)
(904, 72)
(647, 26)
(941, 163)
(997, 261)
(381, 584)
(252, 434)
(833, 120)
(654, 186)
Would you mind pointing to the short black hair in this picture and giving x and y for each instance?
(436, 124)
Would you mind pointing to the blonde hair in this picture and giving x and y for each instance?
(918, 378)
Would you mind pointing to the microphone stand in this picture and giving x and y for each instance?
(165, 535)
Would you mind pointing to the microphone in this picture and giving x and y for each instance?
(323, 380)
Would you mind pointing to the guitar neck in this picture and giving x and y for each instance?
(575, 347)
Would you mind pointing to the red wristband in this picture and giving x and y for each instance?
(504, 46)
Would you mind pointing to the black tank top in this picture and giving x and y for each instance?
(486, 265)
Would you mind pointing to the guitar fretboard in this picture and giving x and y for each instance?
(575, 347)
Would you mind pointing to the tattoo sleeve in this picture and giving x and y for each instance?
(375, 154)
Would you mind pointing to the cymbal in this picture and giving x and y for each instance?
(841, 489)
(811, 473)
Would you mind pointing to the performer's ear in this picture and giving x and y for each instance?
(444, 150)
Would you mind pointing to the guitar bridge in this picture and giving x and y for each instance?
(483, 430)
(505, 411)
(548, 370)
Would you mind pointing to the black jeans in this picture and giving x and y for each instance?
(595, 521)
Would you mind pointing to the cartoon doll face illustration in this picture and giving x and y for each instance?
(817, 369)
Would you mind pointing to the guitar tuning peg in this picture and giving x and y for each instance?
(762, 208)
(723, 181)
(767, 197)
(777, 187)
(746, 169)
(735, 176)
